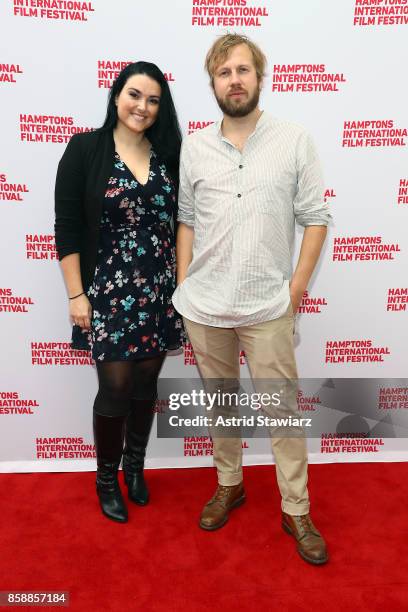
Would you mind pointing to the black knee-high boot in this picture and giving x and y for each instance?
(138, 426)
(109, 432)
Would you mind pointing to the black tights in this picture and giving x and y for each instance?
(122, 383)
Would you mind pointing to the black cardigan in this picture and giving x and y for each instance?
(82, 177)
(80, 187)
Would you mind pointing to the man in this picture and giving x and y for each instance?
(243, 183)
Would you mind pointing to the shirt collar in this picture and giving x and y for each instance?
(263, 118)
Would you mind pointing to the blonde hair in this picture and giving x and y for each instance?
(220, 49)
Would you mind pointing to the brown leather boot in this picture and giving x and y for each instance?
(310, 544)
(215, 512)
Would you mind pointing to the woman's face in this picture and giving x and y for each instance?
(138, 103)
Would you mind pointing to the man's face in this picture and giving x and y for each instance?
(235, 82)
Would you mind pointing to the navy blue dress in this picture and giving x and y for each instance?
(132, 313)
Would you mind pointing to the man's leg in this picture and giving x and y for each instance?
(217, 354)
(270, 353)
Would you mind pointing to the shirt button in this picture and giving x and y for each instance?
(239, 195)
(240, 166)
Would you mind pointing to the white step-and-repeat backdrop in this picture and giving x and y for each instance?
(338, 68)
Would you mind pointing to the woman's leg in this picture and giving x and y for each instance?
(138, 425)
(111, 407)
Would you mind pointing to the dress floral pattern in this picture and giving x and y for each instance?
(132, 313)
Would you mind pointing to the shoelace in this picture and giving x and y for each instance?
(304, 525)
(221, 494)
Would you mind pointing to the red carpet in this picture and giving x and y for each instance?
(53, 537)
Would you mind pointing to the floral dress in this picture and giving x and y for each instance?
(132, 313)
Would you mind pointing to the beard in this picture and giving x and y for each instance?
(235, 108)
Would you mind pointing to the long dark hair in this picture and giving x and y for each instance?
(165, 133)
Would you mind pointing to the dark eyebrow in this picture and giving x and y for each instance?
(139, 92)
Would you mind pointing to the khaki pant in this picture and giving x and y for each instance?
(269, 352)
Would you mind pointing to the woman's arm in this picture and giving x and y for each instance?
(80, 309)
(69, 220)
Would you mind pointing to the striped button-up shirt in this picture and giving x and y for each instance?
(243, 206)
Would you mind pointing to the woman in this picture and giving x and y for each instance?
(115, 202)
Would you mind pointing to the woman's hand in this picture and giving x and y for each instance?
(80, 311)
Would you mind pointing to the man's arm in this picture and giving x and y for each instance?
(312, 212)
(185, 233)
(312, 243)
(185, 239)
